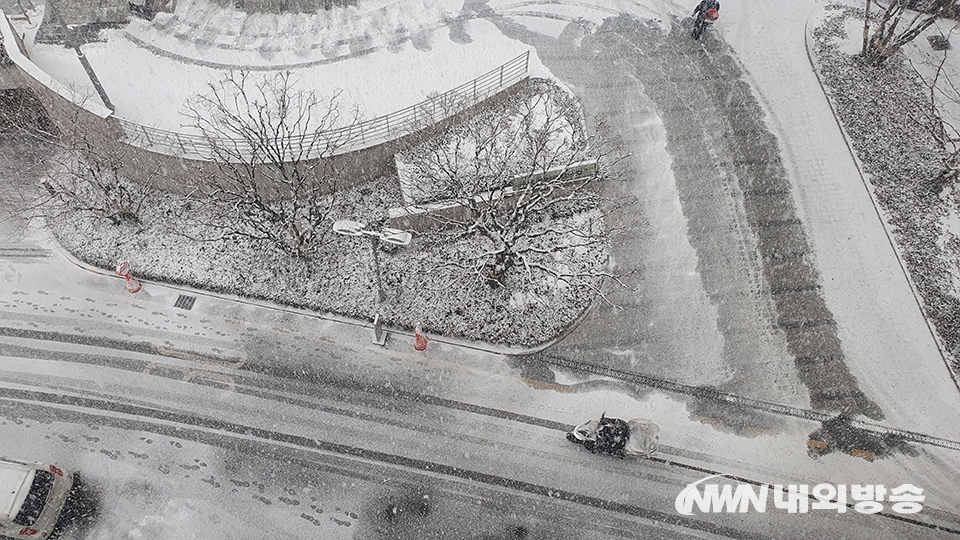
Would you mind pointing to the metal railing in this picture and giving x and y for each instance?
(345, 139)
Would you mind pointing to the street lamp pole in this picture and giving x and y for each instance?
(375, 244)
(391, 236)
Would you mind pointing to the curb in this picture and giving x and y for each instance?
(331, 317)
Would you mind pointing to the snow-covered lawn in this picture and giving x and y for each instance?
(886, 113)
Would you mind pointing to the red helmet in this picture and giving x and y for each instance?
(712, 14)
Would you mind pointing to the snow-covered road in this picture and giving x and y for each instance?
(123, 418)
(888, 345)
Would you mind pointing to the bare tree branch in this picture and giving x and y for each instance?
(934, 119)
(525, 176)
(84, 171)
(272, 145)
(890, 35)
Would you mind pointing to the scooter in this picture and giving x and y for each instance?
(612, 436)
(703, 20)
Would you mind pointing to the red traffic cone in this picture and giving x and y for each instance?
(133, 286)
(419, 340)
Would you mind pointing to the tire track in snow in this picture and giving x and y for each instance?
(106, 410)
(566, 363)
(210, 431)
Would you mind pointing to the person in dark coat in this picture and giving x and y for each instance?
(704, 5)
(612, 435)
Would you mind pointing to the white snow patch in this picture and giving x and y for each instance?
(152, 90)
(853, 44)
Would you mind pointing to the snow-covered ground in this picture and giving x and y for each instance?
(845, 232)
(431, 282)
(153, 477)
(887, 342)
(150, 86)
(900, 154)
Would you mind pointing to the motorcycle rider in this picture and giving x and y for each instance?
(705, 10)
(612, 435)
(703, 6)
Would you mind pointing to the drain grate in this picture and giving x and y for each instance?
(939, 43)
(185, 302)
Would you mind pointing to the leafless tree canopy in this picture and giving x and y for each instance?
(511, 169)
(271, 143)
(82, 173)
(899, 24)
(941, 88)
(89, 179)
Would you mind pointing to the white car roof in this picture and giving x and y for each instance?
(15, 480)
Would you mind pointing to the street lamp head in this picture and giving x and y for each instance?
(391, 236)
(348, 227)
(396, 236)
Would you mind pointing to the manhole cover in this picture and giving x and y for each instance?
(185, 302)
(939, 43)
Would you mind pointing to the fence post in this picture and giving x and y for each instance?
(145, 134)
(501, 74)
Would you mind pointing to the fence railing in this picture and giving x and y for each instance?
(344, 139)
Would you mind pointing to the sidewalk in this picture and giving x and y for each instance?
(886, 341)
(96, 302)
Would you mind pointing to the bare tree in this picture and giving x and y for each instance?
(523, 175)
(942, 89)
(899, 24)
(88, 178)
(271, 144)
(83, 172)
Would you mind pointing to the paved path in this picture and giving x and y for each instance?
(728, 295)
(746, 282)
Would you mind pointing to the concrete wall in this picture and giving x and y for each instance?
(440, 215)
